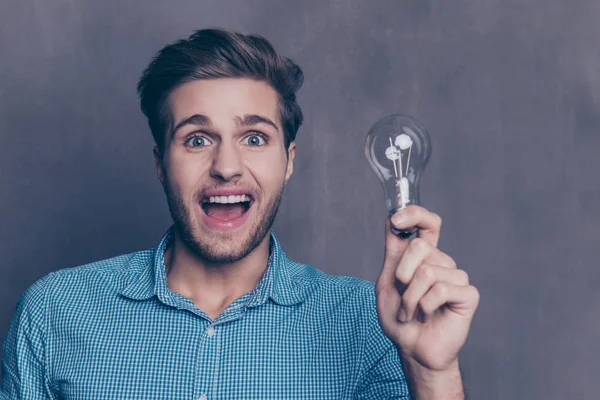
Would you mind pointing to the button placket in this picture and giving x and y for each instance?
(208, 362)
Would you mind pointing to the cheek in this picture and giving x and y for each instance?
(268, 170)
(185, 176)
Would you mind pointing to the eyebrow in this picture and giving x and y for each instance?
(248, 120)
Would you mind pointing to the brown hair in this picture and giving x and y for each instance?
(217, 53)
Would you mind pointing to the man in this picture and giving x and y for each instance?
(216, 310)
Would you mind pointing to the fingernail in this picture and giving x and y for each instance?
(402, 316)
(398, 218)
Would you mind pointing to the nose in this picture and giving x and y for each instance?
(227, 162)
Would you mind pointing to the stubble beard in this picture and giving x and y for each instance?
(211, 253)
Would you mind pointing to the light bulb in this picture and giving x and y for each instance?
(398, 148)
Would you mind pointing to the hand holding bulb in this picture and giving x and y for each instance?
(425, 304)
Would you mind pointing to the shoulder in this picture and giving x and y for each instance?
(340, 288)
(348, 303)
(31, 303)
(109, 275)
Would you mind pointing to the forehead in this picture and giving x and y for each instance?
(224, 99)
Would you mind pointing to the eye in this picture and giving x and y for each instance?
(255, 140)
(198, 141)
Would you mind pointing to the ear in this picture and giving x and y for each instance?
(290, 161)
(158, 160)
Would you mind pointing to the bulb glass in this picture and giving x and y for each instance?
(398, 148)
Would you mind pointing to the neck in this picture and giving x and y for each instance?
(213, 287)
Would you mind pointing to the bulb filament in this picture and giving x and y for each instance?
(393, 153)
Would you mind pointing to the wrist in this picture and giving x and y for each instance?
(427, 384)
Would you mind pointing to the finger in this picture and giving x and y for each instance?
(418, 252)
(460, 299)
(426, 276)
(429, 224)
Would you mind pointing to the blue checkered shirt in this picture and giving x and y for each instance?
(114, 330)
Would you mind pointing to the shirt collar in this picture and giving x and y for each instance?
(277, 283)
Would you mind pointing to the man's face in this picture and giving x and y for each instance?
(224, 165)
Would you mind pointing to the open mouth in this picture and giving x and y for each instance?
(227, 208)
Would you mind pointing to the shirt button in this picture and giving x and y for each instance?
(210, 332)
(203, 397)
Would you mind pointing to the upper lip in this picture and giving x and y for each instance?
(227, 192)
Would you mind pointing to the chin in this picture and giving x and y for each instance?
(221, 246)
(221, 249)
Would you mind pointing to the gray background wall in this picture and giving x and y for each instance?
(509, 91)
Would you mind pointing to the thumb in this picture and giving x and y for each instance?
(395, 247)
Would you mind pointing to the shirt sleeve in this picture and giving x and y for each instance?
(383, 374)
(24, 357)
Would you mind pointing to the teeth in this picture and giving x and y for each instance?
(229, 199)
